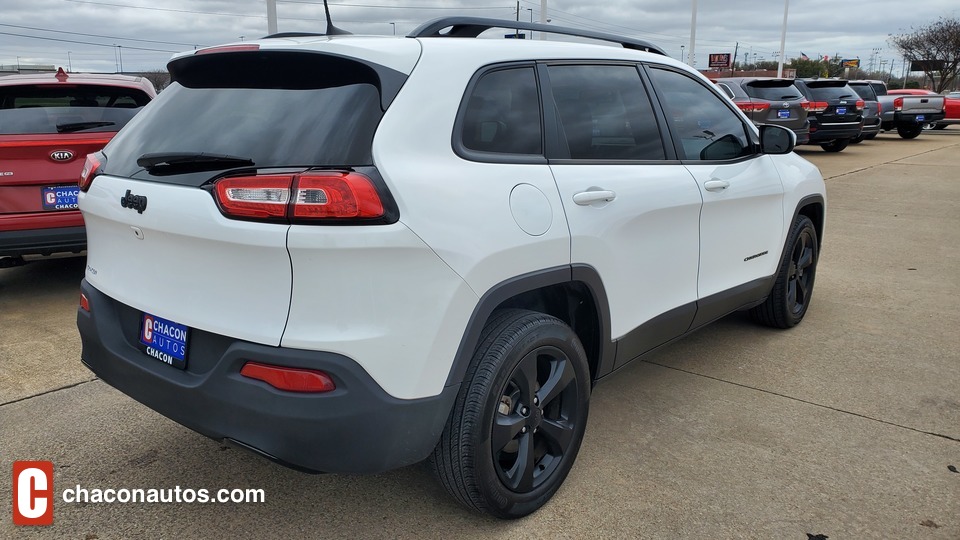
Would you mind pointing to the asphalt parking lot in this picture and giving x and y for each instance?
(847, 426)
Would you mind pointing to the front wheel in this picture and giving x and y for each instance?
(910, 132)
(519, 418)
(835, 146)
(790, 297)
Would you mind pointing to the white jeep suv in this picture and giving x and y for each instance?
(354, 253)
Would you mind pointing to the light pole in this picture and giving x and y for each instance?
(681, 52)
(69, 63)
(120, 53)
(783, 38)
(394, 25)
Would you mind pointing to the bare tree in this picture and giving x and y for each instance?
(159, 77)
(937, 46)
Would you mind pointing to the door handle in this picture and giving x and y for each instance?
(716, 185)
(585, 198)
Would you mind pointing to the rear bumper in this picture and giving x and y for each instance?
(357, 428)
(18, 243)
(871, 126)
(911, 119)
(830, 132)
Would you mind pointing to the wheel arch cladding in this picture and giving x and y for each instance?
(813, 208)
(574, 294)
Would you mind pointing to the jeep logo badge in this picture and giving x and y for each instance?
(136, 202)
(61, 155)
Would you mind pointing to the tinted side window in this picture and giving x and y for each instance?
(503, 113)
(707, 128)
(605, 113)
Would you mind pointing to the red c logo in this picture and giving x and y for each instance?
(32, 492)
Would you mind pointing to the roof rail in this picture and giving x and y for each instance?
(474, 26)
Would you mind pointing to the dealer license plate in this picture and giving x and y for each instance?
(841, 110)
(164, 340)
(783, 113)
(920, 118)
(60, 197)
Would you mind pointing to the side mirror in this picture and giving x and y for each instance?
(777, 140)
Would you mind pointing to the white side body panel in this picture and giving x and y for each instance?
(380, 296)
(644, 243)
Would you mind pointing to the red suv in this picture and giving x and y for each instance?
(48, 124)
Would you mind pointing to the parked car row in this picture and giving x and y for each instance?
(835, 113)
(48, 125)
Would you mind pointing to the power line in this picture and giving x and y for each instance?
(97, 35)
(84, 42)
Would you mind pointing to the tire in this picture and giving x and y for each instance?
(835, 146)
(519, 418)
(793, 289)
(910, 132)
(940, 126)
(858, 139)
(870, 137)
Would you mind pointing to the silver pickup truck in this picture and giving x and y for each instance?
(907, 114)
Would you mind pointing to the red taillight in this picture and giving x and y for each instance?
(256, 197)
(750, 106)
(308, 197)
(336, 195)
(879, 108)
(805, 105)
(289, 379)
(84, 303)
(91, 167)
(818, 106)
(860, 104)
(898, 104)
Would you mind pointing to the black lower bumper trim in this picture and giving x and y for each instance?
(42, 241)
(357, 428)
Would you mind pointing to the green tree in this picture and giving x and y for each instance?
(938, 45)
(807, 68)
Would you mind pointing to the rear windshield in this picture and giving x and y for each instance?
(320, 111)
(826, 93)
(45, 109)
(773, 90)
(865, 91)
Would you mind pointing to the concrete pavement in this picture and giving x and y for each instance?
(845, 426)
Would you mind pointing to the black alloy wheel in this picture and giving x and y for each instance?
(516, 427)
(836, 145)
(793, 289)
(910, 132)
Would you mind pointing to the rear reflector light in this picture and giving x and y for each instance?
(84, 303)
(289, 379)
(308, 197)
(818, 106)
(91, 168)
(898, 104)
(860, 104)
(749, 106)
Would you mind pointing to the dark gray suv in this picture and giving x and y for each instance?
(770, 101)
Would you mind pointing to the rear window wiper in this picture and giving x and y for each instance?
(191, 161)
(80, 126)
(846, 96)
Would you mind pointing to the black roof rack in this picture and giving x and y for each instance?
(474, 26)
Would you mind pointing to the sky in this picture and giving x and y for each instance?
(100, 35)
